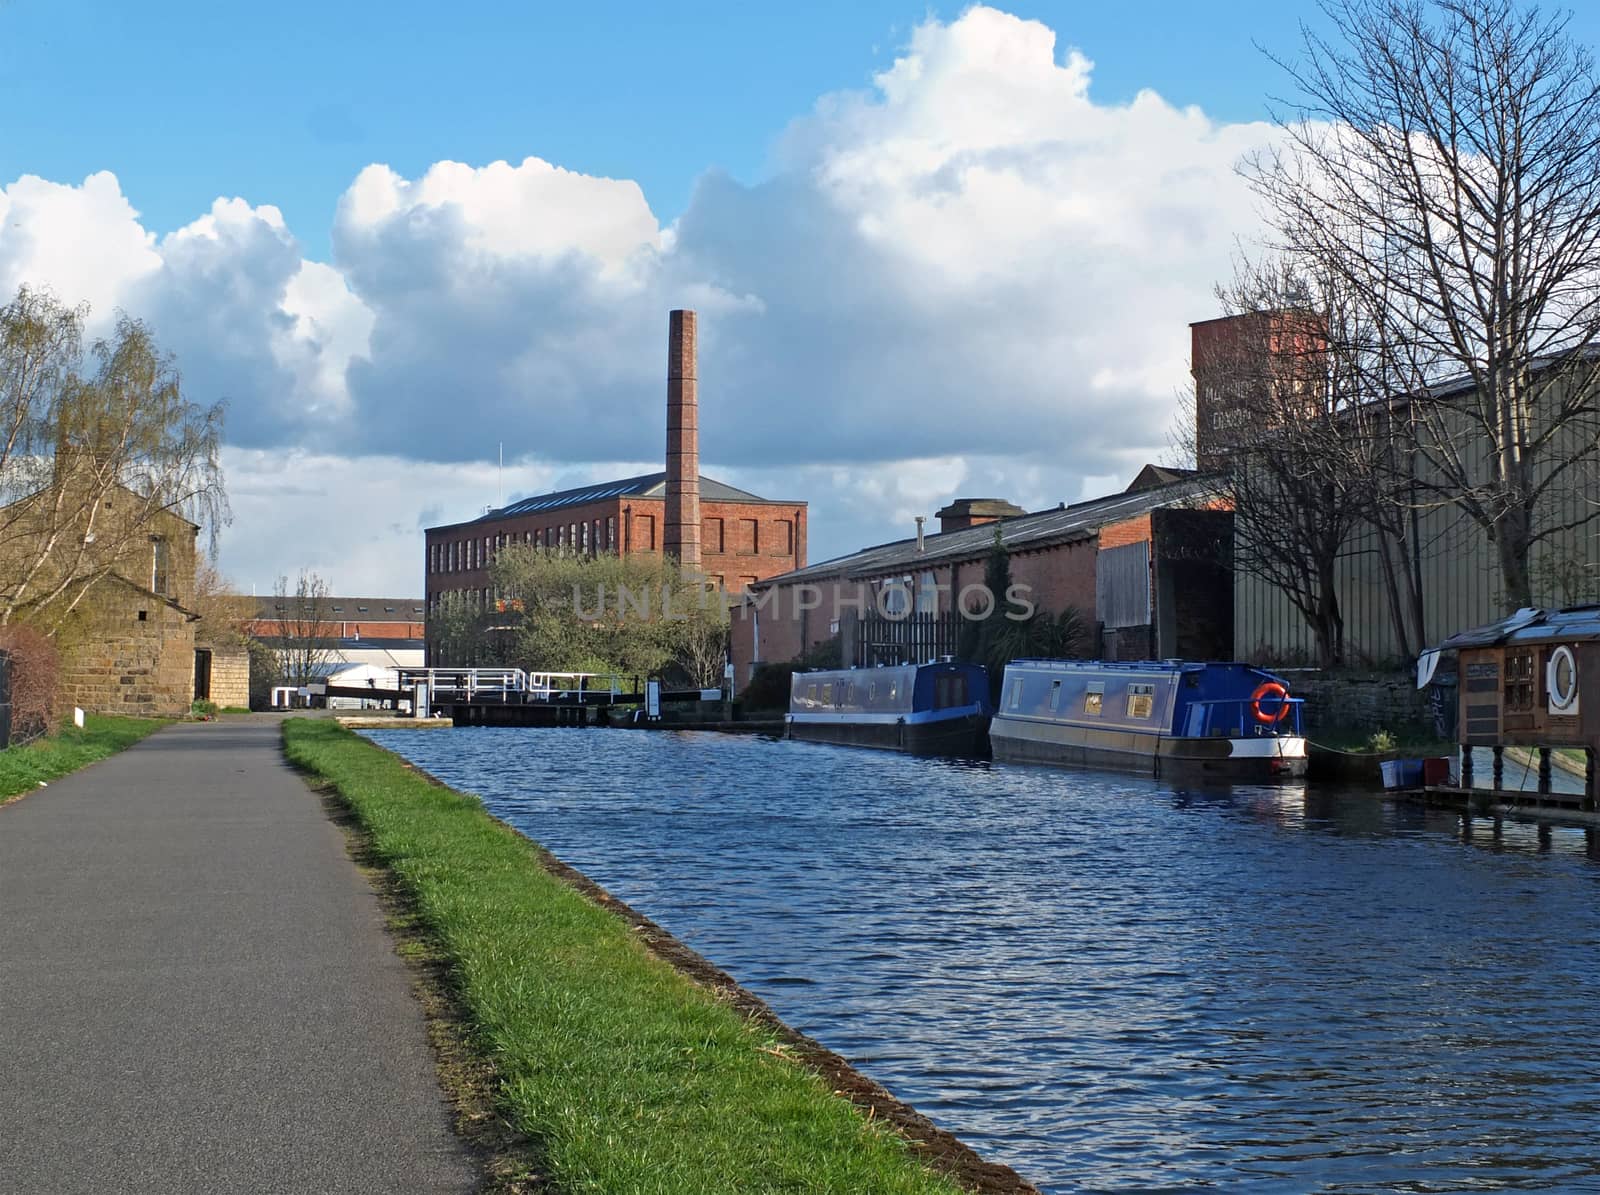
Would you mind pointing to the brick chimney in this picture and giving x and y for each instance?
(1238, 361)
(681, 533)
(974, 512)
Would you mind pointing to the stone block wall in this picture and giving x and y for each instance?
(1381, 701)
(121, 664)
(230, 677)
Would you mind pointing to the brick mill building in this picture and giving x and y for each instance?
(734, 538)
(1147, 569)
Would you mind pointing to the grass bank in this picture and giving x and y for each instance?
(625, 1074)
(21, 768)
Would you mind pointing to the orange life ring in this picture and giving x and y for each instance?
(1270, 689)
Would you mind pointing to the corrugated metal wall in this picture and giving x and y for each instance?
(1122, 585)
(1460, 580)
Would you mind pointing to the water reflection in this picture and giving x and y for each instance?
(1111, 984)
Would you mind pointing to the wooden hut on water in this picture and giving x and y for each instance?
(1532, 681)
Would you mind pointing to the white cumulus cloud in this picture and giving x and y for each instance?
(969, 275)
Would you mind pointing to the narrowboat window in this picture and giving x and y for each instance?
(872, 691)
(849, 697)
(1016, 693)
(1141, 699)
(1094, 697)
(894, 690)
(1055, 695)
(827, 693)
(811, 694)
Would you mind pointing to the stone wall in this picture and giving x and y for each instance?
(230, 677)
(134, 655)
(1380, 701)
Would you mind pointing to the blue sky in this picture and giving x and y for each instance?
(934, 251)
(283, 104)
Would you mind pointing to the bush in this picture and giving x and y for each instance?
(35, 682)
(769, 687)
(769, 683)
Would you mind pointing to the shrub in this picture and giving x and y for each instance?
(768, 688)
(35, 681)
(769, 683)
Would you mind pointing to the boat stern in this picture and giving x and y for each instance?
(1276, 757)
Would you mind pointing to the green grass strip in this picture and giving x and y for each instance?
(629, 1077)
(22, 768)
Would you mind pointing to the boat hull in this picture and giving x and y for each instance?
(1258, 760)
(965, 735)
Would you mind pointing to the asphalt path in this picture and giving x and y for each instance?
(197, 991)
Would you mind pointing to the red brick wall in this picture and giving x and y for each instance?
(1118, 535)
(1060, 576)
(343, 628)
(777, 548)
(1057, 576)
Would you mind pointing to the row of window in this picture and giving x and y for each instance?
(1141, 698)
(490, 598)
(468, 555)
(600, 535)
(747, 537)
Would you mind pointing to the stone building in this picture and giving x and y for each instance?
(129, 645)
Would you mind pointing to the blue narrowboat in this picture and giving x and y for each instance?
(940, 708)
(1162, 718)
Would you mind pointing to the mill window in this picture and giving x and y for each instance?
(159, 565)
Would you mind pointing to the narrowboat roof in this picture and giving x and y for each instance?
(1530, 625)
(857, 670)
(1115, 665)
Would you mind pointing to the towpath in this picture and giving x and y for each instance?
(197, 992)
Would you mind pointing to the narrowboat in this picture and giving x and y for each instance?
(940, 708)
(1163, 718)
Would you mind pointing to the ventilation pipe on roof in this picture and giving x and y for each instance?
(920, 521)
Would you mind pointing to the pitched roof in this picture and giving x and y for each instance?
(1532, 625)
(1042, 529)
(647, 485)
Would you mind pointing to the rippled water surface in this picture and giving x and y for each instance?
(1111, 984)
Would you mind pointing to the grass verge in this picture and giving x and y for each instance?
(625, 1074)
(22, 768)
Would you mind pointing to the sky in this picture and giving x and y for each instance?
(936, 249)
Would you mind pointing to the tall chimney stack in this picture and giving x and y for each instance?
(681, 533)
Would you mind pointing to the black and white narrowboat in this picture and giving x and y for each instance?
(940, 708)
(1163, 718)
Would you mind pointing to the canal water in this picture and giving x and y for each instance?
(1109, 983)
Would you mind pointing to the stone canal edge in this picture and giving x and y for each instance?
(511, 1161)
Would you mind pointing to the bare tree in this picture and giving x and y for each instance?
(1443, 162)
(99, 460)
(1280, 427)
(306, 638)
